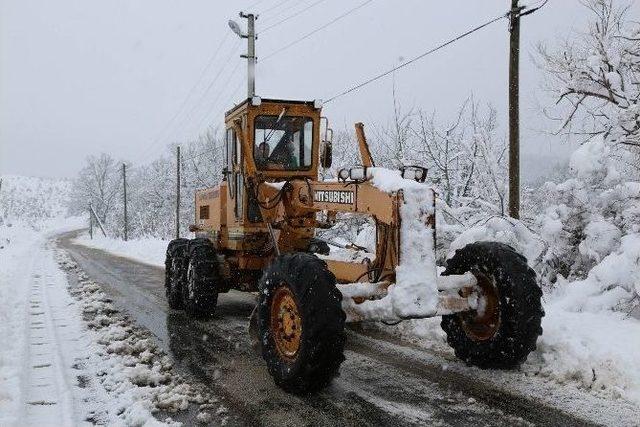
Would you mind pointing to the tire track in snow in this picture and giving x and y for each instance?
(47, 393)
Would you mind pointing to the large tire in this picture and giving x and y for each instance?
(506, 330)
(173, 285)
(203, 279)
(305, 354)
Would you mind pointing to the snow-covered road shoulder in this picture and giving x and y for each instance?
(72, 357)
(137, 376)
(34, 326)
(146, 250)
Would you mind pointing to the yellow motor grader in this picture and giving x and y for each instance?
(256, 232)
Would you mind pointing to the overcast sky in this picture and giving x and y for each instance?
(79, 77)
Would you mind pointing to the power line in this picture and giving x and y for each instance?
(252, 5)
(230, 99)
(189, 94)
(189, 117)
(227, 99)
(277, 5)
(282, 21)
(334, 20)
(430, 51)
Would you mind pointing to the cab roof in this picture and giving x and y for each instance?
(272, 101)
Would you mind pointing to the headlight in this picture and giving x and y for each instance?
(359, 173)
(417, 173)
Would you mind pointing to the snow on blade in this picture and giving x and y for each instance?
(415, 292)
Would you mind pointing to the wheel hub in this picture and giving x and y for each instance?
(286, 323)
(482, 323)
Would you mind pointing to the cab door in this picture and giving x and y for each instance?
(235, 180)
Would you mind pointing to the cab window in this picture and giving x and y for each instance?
(283, 143)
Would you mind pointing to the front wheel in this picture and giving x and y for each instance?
(504, 328)
(301, 323)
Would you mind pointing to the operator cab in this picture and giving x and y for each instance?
(284, 137)
(283, 143)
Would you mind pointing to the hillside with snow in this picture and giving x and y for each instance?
(33, 201)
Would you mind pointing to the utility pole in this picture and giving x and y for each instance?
(251, 49)
(178, 192)
(124, 188)
(514, 110)
(251, 54)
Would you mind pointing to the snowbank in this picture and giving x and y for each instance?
(150, 250)
(596, 351)
(136, 375)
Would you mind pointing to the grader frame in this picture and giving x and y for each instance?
(289, 225)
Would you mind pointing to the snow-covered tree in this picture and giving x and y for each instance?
(97, 183)
(595, 78)
(465, 157)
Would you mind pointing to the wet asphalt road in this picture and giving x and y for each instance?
(377, 385)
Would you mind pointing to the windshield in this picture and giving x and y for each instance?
(283, 142)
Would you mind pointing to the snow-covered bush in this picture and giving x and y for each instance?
(590, 213)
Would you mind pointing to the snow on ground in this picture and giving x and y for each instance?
(593, 352)
(32, 368)
(147, 250)
(71, 356)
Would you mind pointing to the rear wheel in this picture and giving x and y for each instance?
(503, 330)
(203, 280)
(301, 323)
(173, 285)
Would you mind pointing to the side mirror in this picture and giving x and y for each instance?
(326, 155)
(326, 150)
